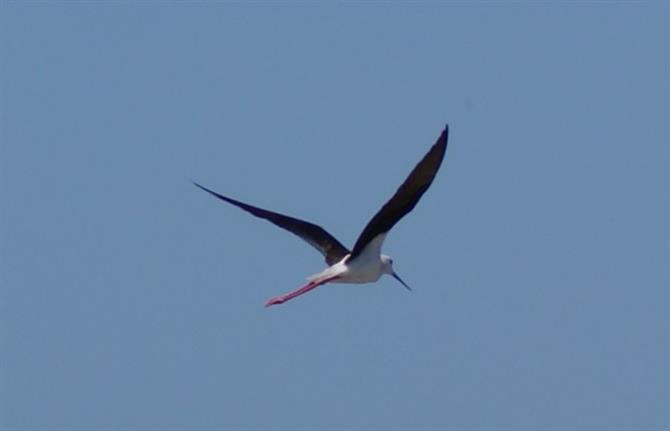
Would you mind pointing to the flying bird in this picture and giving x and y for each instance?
(364, 263)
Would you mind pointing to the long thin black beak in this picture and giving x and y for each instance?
(397, 277)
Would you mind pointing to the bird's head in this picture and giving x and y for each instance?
(387, 268)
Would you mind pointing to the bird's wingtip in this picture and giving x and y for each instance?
(444, 136)
(198, 185)
(203, 188)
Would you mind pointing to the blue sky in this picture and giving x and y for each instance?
(539, 258)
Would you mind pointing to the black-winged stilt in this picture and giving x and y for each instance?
(365, 263)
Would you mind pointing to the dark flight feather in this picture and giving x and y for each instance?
(407, 195)
(316, 236)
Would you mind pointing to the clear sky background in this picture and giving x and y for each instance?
(539, 258)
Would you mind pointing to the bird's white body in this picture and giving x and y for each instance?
(367, 267)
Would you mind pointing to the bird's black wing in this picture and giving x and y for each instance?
(316, 236)
(407, 195)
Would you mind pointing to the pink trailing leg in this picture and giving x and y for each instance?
(283, 298)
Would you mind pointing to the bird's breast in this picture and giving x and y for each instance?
(361, 271)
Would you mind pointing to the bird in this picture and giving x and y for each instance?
(364, 263)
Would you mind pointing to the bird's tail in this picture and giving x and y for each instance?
(327, 274)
